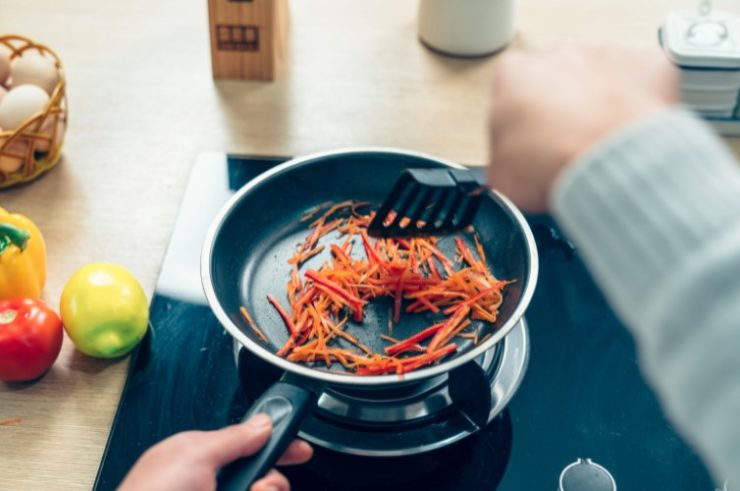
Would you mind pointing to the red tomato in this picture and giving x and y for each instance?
(30, 339)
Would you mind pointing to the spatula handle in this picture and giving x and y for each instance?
(477, 174)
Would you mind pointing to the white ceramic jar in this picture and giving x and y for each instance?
(466, 27)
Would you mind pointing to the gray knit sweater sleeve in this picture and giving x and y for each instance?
(655, 213)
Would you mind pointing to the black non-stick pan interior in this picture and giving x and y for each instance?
(262, 230)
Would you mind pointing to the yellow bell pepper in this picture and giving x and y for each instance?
(22, 257)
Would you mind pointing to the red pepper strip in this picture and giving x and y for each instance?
(286, 318)
(359, 314)
(408, 364)
(413, 347)
(430, 358)
(304, 331)
(449, 325)
(341, 255)
(397, 297)
(417, 347)
(336, 289)
(416, 338)
(302, 327)
(303, 299)
(341, 301)
(469, 301)
(372, 255)
(332, 296)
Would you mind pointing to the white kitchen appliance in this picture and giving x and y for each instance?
(705, 45)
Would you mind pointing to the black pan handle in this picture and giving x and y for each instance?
(287, 405)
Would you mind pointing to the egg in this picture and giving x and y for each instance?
(34, 68)
(54, 135)
(4, 63)
(11, 163)
(2, 93)
(19, 104)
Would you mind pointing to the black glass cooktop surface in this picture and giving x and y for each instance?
(582, 397)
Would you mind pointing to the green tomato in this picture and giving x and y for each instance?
(104, 310)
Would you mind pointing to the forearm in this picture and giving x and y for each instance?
(655, 212)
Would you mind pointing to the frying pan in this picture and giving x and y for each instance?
(245, 258)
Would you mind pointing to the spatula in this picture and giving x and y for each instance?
(430, 202)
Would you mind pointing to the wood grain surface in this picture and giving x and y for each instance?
(143, 104)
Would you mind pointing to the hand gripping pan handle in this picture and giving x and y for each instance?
(287, 404)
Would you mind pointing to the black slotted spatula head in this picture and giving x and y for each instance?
(429, 202)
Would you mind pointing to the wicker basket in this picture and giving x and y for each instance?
(37, 143)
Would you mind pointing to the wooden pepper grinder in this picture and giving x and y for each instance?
(248, 38)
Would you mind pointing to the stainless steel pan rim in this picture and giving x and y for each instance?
(339, 378)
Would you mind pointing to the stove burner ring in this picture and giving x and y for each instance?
(398, 405)
(413, 418)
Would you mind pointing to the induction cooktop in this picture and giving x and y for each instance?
(582, 405)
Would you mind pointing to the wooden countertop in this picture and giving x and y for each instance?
(142, 105)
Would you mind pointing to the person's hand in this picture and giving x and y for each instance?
(190, 460)
(550, 106)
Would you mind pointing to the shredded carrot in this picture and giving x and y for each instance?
(305, 256)
(254, 327)
(312, 213)
(321, 300)
(467, 335)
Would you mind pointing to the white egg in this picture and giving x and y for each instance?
(21, 103)
(4, 63)
(11, 163)
(36, 69)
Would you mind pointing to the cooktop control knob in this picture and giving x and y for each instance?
(586, 475)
